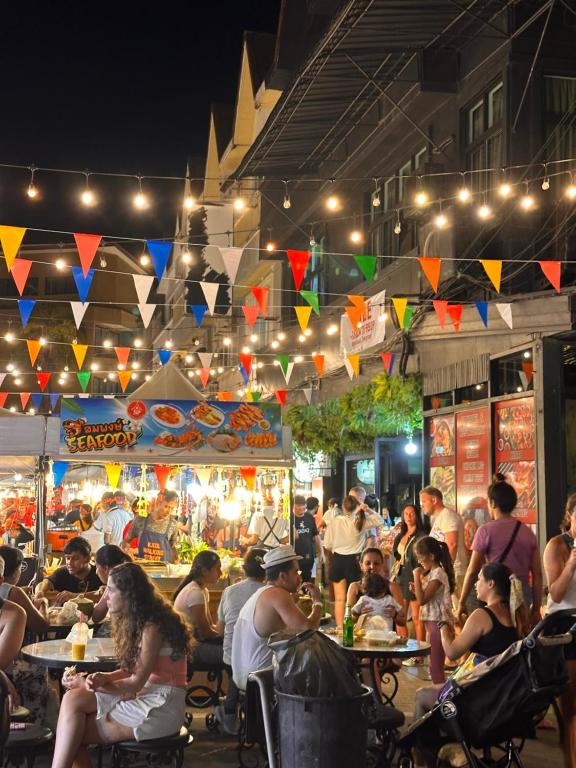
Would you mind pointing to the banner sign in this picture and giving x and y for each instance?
(161, 429)
(372, 331)
(515, 437)
(472, 469)
(443, 457)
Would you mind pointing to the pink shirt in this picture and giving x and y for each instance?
(492, 538)
(168, 671)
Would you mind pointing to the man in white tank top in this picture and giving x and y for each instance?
(271, 610)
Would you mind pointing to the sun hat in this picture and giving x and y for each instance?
(282, 554)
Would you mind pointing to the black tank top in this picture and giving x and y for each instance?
(497, 640)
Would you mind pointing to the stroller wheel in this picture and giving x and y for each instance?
(211, 723)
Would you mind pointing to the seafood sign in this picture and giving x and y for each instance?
(164, 428)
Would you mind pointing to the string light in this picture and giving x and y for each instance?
(286, 204)
(88, 197)
(464, 194)
(42, 341)
(570, 190)
(60, 264)
(137, 343)
(186, 257)
(356, 236)
(332, 329)
(275, 344)
(308, 332)
(94, 366)
(382, 317)
(107, 343)
(545, 180)
(397, 225)
(32, 190)
(239, 203)
(484, 212)
(189, 203)
(246, 350)
(270, 246)
(226, 341)
(9, 337)
(527, 202)
(281, 336)
(254, 338)
(301, 338)
(376, 195)
(144, 260)
(332, 203)
(298, 359)
(140, 201)
(440, 220)
(421, 197)
(168, 344)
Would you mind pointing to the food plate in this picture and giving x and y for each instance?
(224, 441)
(207, 415)
(168, 416)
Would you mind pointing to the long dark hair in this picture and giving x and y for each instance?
(351, 504)
(403, 524)
(440, 552)
(110, 555)
(501, 575)
(204, 561)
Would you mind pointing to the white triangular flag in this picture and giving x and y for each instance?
(349, 368)
(524, 380)
(146, 312)
(231, 258)
(210, 291)
(288, 372)
(505, 311)
(79, 310)
(205, 359)
(308, 394)
(83, 395)
(2, 377)
(143, 285)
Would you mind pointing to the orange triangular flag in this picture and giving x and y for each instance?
(162, 474)
(11, 239)
(431, 266)
(400, 307)
(122, 353)
(359, 302)
(20, 271)
(354, 316)
(318, 361)
(3, 398)
(528, 369)
(249, 475)
(124, 377)
(87, 246)
(261, 296)
(455, 312)
(33, 349)
(24, 397)
(441, 308)
(493, 268)
(79, 353)
(250, 313)
(552, 271)
(224, 396)
(303, 315)
(354, 361)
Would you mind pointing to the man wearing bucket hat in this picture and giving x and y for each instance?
(271, 610)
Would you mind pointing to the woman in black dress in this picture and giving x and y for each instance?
(411, 529)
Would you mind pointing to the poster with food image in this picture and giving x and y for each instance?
(125, 427)
(441, 440)
(444, 478)
(522, 475)
(514, 430)
(472, 469)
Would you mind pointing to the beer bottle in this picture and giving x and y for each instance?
(322, 598)
(348, 628)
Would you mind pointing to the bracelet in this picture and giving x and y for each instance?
(317, 602)
(441, 624)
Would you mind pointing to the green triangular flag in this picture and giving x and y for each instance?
(283, 360)
(83, 378)
(255, 396)
(367, 265)
(312, 298)
(408, 318)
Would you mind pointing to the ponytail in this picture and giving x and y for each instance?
(350, 504)
(204, 561)
(440, 552)
(509, 588)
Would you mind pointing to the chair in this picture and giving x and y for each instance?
(200, 695)
(385, 721)
(167, 751)
(18, 747)
(256, 716)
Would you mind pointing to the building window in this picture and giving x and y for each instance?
(53, 286)
(405, 170)
(559, 108)
(8, 288)
(484, 146)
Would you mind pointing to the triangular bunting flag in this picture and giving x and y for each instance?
(58, 471)
(455, 312)
(122, 353)
(255, 396)
(113, 472)
(3, 398)
(505, 312)
(87, 246)
(250, 313)
(143, 286)
(24, 397)
(204, 475)
(299, 262)
(124, 379)
(204, 376)
(493, 268)
(11, 239)
(388, 360)
(36, 400)
(245, 376)
(318, 361)
(524, 380)
(164, 355)
(482, 307)
(400, 307)
(79, 353)
(33, 350)
(281, 395)
(159, 251)
(552, 271)
(354, 316)
(408, 318)
(288, 372)
(2, 377)
(312, 298)
(43, 379)
(354, 361)
(249, 476)
(83, 378)
(308, 394)
(528, 369)
(83, 282)
(146, 312)
(225, 397)
(210, 291)
(162, 474)
(431, 267)
(20, 271)
(359, 302)
(79, 310)
(283, 360)
(440, 308)
(261, 296)
(26, 306)
(246, 362)
(366, 265)
(231, 258)
(303, 315)
(205, 359)
(349, 369)
(198, 310)
(54, 400)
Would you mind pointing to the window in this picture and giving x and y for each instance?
(483, 124)
(101, 334)
(406, 170)
(8, 288)
(559, 108)
(475, 122)
(59, 285)
(390, 194)
(420, 158)
(495, 105)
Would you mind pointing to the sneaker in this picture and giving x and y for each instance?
(228, 721)
(413, 661)
(453, 754)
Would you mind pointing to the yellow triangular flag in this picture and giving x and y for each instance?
(400, 307)
(113, 472)
(203, 474)
(303, 315)
(493, 268)
(33, 349)
(354, 361)
(11, 239)
(124, 377)
(79, 353)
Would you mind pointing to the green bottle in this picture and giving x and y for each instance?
(322, 598)
(348, 629)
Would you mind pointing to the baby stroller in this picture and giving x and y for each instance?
(502, 699)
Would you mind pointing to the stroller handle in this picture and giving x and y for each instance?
(564, 639)
(537, 635)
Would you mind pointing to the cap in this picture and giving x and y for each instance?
(282, 554)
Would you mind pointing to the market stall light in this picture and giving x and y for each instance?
(188, 359)
(527, 354)
(301, 338)
(260, 364)
(144, 260)
(212, 372)
(107, 343)
(189, 203)
(298, 359)
(220, 370)
(15, 372)
(464, 195)
(60, 264)
(10, 367)
(17, 477)
(147, 377)
(308, 332)
(253, 338)
(281, 336)
(382, 317)
(168, 344)
(137, 343)
(527, 201)
(276, 363)
(440, 221)
(356, 236)
(190, 374)
(332, 203)
(12, 409)
(410, 448)
(134, 377)
(226, 341)
(270, 246)
(275, 344)
(42, 341)
(94, 366)
(484, 212)
(421, 198)
(231, 509)
(239, 203)
(88, 198)
(570, 191)
(121, 366)
(9, 337)
(135, 365)
(332, 329)
(246, 350)
(186, 257)
(17, 382)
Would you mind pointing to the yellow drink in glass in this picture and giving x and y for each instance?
(78, 651)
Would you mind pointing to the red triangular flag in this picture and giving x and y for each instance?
(122, 353)
(3, 398)
(24, 397)
(249, 475)
(552, 271)
(162, 474)
(204, 376)
(87, 246)
(318, 361)
(441, 307)
(281, 395)
(261, 296)
(388, 360)
(250, 313)
(20, 271)
(431, 267)
(246, 361)
(298, 261)
(43, 379)
(455, 312)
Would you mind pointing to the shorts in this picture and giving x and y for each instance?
(345, 567)
(157, 711)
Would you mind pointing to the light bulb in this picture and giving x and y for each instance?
(484, 212)
(308, 332)
(356, 236)
(421, 198)
(570, 192)
(135, 365)
(464, 195)
(301, 338)
(546, 184)
(527, 202)
(246, 350)
(140, 201)
(186, 257)
(382, 317)
(220, 369)
(103, 262)
(397, 228)
(17, 382)
(332, 329)
(312, 242)
(189, 203)
(9, 337)
(42, 341)
(88, 198)
(276, 363)
(32, 191)
(144, 260)
(32, 411)
(168, 343)
(281, 336)
(332, 203)
(93, 366)
(298, 359)
(376, 200)
(275, 344)
(253, 338)
(410, 448)
(134, 376)
(239, 204)
(137, 343)
(504, 190)
(227, 341)
(10, 367)
(60, 264)
(286, 204)
(66, 368)
(260, 364)
(270, 246)
(121, 366)
(13, 408)
(241, 393)
(440, 221)
(188, 359)
(107, 343)
(112, 374)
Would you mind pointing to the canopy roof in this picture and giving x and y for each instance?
(168, 381)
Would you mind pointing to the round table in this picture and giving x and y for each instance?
(57, 654)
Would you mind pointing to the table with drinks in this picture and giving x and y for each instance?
(96, 655)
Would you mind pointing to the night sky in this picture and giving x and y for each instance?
(121, 87)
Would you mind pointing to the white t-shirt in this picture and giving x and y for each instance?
(191, 595)
(378, 605)
(330, 514)
(112, 523)
(233, 599)
(343, 538)
(448, 521)
(269, 529)
(439, 607)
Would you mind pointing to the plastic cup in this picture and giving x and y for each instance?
(78, 651)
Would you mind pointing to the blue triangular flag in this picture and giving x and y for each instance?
(36, 398)
(54, 400)
(26, 306)
(164, 355)
(199, 310)
(482, 307)
(59, 470)
(82, 283)
(159, 251)
(245, 376)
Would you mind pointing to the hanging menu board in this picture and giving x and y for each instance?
(442, 457)
(515, 439)
(472, 469)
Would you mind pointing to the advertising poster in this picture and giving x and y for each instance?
(184, 429)
(442, 457)
(372, 331)
(472, 469)
(515, 436)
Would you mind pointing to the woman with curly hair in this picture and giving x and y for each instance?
(145, 698)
